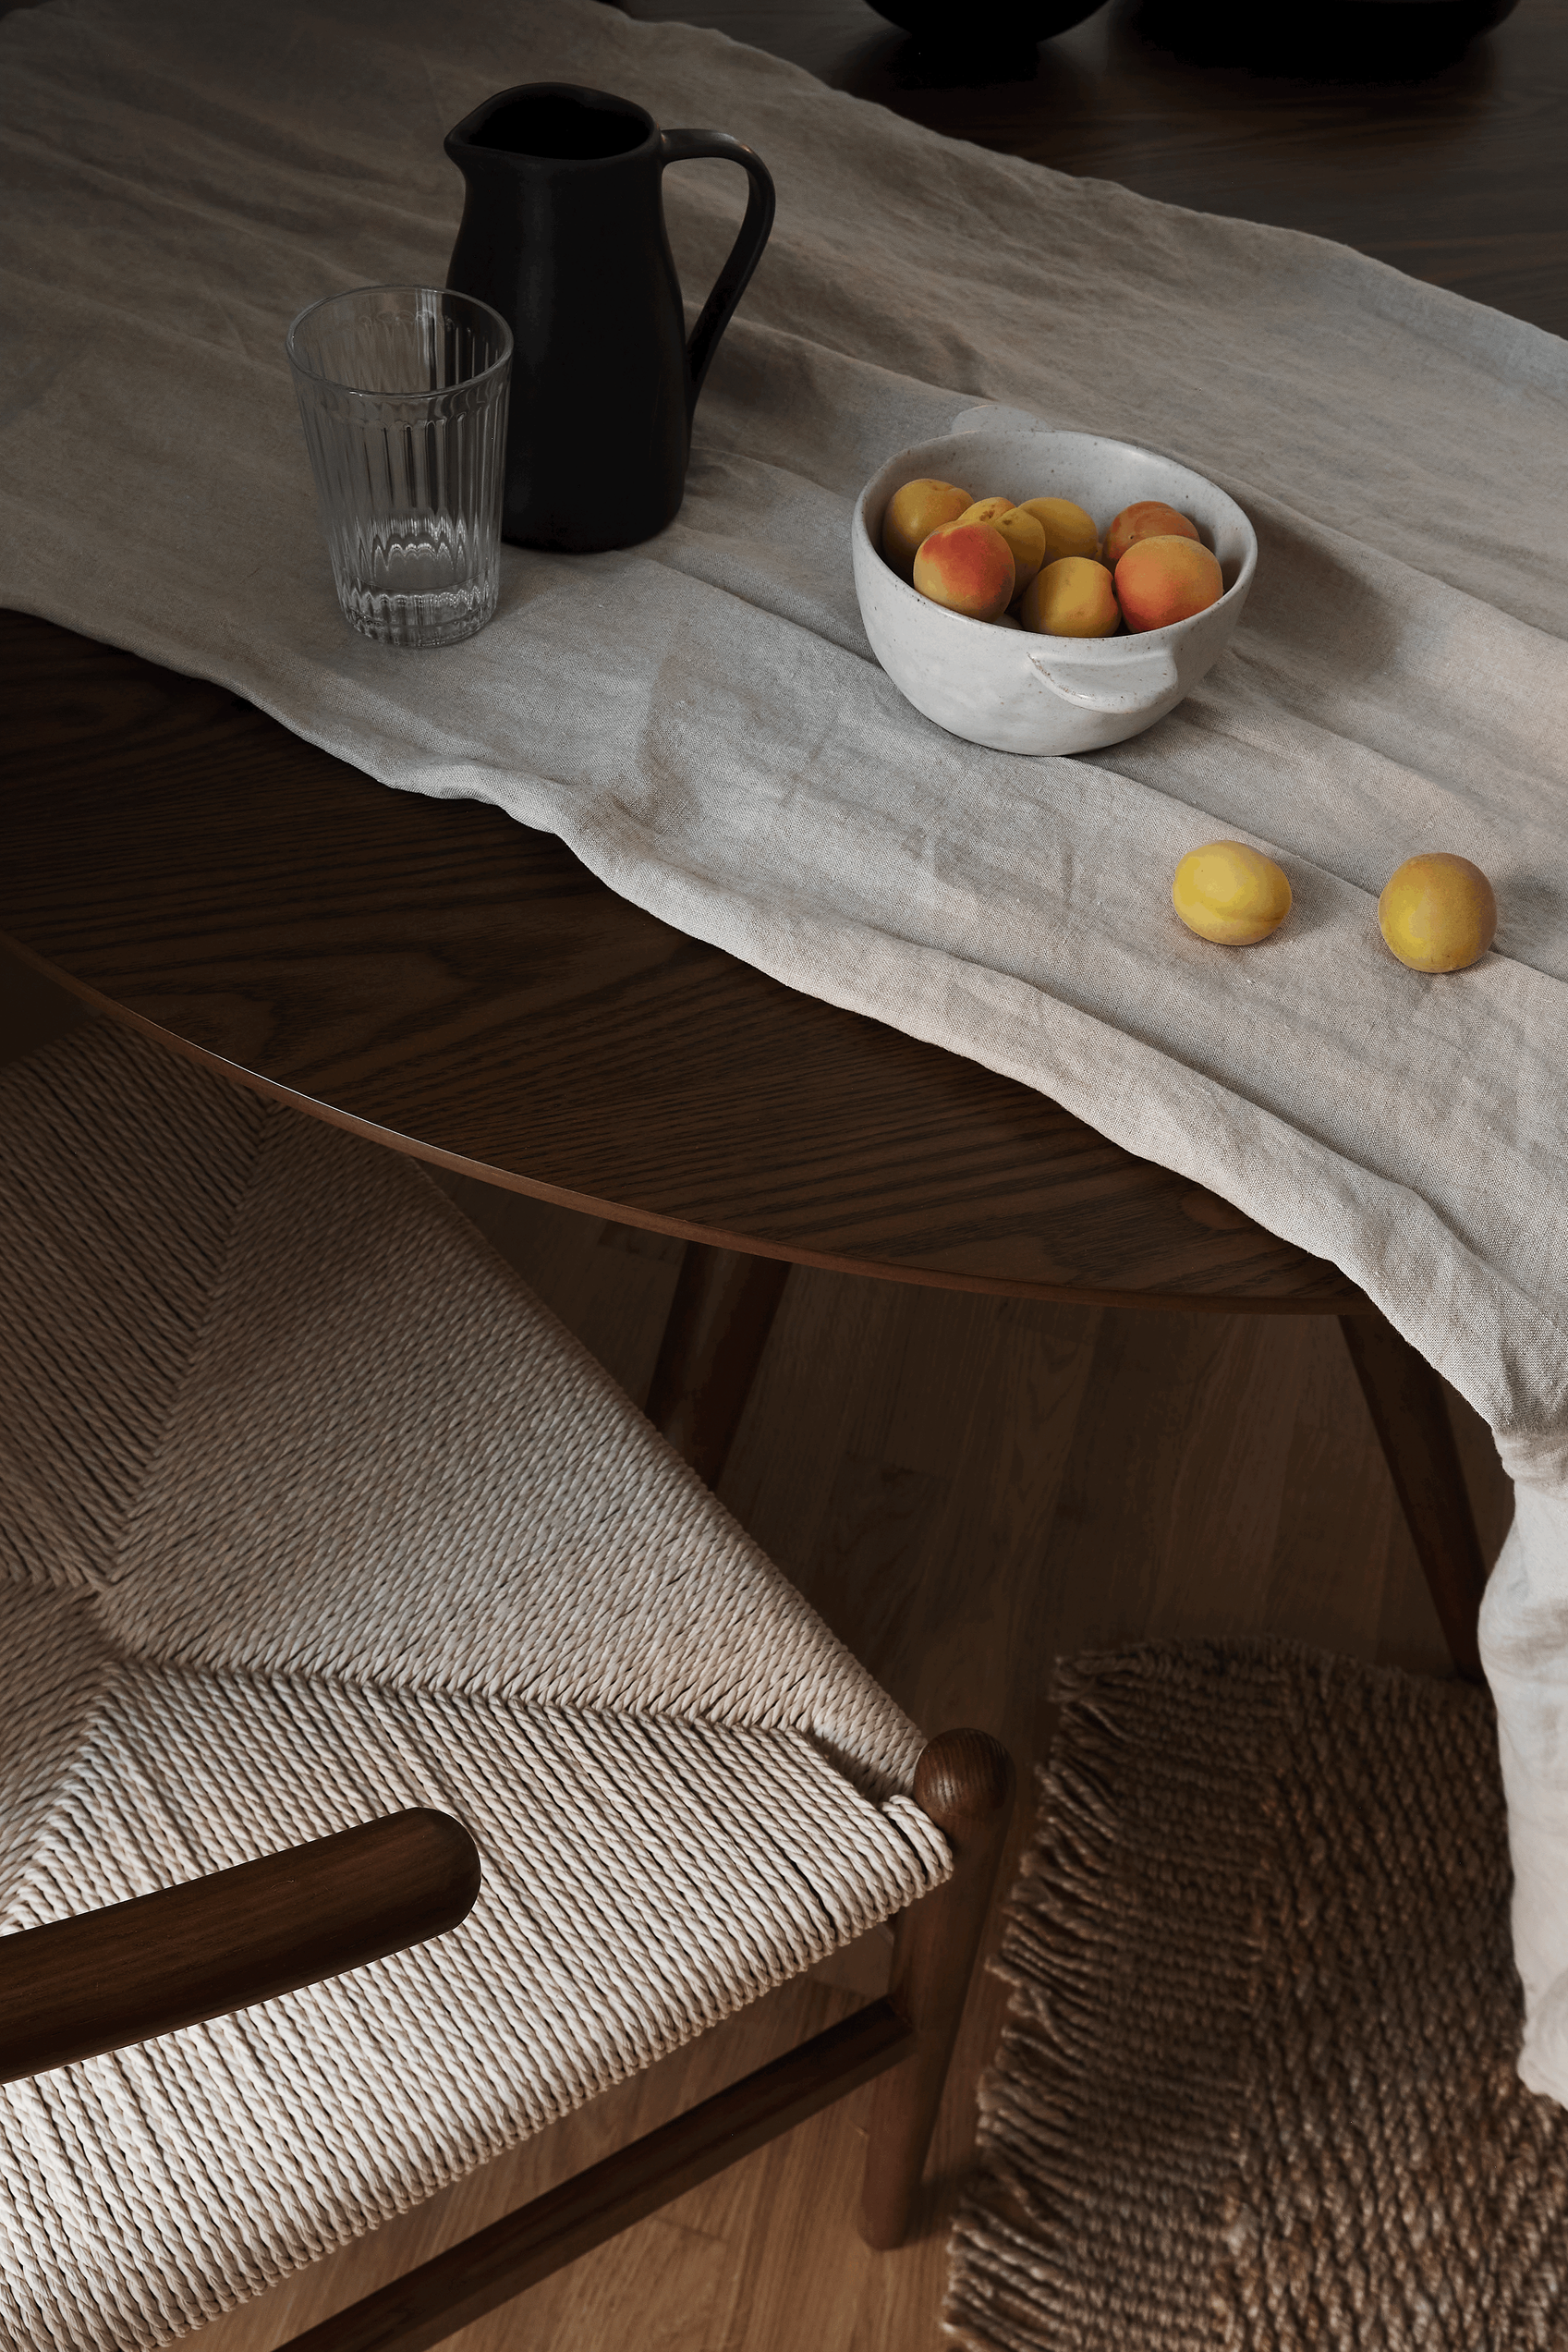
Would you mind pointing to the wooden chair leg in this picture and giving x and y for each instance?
(1405, 1397)
(718, 1326)
(964, 1781)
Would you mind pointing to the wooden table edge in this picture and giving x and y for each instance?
(681, 1228)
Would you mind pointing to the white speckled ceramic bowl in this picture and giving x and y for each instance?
(1007, 688)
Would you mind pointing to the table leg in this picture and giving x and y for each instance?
(719, 1321)
(1405, 1397)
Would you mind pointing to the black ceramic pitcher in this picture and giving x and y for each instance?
(562, 233)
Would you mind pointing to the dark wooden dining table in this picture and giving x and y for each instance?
(433, 975)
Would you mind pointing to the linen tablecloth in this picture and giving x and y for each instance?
(700, 717)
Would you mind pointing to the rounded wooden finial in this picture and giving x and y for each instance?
(963, 1777)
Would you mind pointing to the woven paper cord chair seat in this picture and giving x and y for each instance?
(311, 1512)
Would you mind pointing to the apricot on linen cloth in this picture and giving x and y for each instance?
(700, 718)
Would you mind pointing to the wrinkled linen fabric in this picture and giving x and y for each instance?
(700, 718)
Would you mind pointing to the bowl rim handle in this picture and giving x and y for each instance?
(1128, 686)
(1000, 416)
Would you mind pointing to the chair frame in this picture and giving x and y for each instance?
(130, 1971)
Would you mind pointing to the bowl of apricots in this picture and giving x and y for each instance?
(1045, 592)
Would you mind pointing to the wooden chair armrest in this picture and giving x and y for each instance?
(133, 1970)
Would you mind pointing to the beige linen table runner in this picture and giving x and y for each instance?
(700, 717)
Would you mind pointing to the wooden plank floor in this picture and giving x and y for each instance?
(966, 1489)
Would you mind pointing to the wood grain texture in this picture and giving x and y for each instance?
(436, 976)
(133, 1970)
(720, 1317)
(1399, 129)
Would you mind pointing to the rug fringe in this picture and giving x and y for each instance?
(1255, 2091)
(1016, 2256)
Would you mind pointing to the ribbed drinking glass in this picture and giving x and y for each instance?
(403, 397)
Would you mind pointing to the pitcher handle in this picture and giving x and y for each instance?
(682, 147)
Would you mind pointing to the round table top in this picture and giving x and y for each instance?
(434, 974)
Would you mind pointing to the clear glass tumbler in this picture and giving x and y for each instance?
(403, 397)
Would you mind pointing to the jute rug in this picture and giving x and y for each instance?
(1257, 2092)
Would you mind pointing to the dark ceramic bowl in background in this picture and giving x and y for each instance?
(988, 24)
(1347, 25)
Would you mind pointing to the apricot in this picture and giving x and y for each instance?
(1166, 579)
(1072, 597)
(1230, 894)
(986, 510)
(1027, 540)
(1069, 529)
(1145, 519)
(968, 567)
(1437, 913)
(912, 512)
